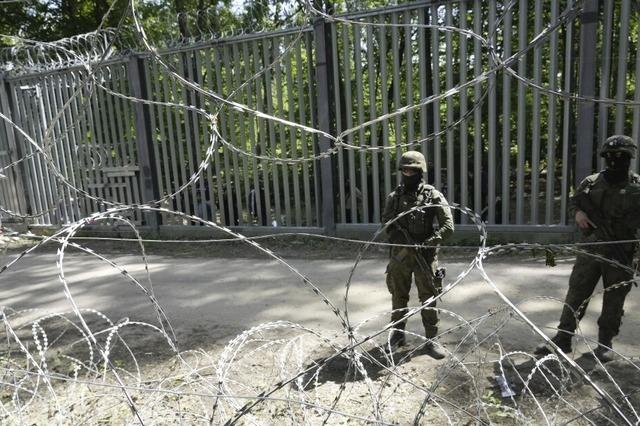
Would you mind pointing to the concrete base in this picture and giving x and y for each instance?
(464, 234)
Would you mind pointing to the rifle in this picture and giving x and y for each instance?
(584, 203)
(440, 272)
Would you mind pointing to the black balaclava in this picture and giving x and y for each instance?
(617, 167)
(411, 182)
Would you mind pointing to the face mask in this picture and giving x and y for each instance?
(617, 168)
(411, 182)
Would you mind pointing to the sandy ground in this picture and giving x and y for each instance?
(239, 293)
(213, 298)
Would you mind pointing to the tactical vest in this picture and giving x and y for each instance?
(419, 223)
(619, 204)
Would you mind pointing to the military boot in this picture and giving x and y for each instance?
(562, 340)
(433, 350)
(397, 338)
(604, 351)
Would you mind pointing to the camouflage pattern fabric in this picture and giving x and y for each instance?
(406, 262)
(619, 205)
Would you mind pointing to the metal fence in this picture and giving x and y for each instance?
(505, 142)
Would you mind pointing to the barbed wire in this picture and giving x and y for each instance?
(87, 367)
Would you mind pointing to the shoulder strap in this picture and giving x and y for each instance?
(427, 192)
(396, 200)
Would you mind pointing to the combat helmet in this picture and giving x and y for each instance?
(619, 143)
(413, 160)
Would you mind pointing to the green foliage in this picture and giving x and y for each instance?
(49, 20)
(55, 19)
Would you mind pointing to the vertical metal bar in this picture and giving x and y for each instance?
(42, 105)
(451, 182)
(25, 148)
(464, 125)
(71, 121)
(323, 75)
(112, 136)
(180, 115)
(149, 77)
(477, 114)
(492, 144)
(194, 73)
(566, 120)
(252, 124)
(130, 136)
(422, 78)
(41, 111)
(35, 122)
(635, 131)
(18, 187)
(303, 136)
(97, 151)
(226, 202)
(117, 143)
(122, 139)
(342, 212)
(523, 17)
(375, 172)
(408, 60)
(506, 121)
(208, 209)
(49, 192)
(151, 93)
(242, 139)
(623, 52)
(214, 81)
(552, 131)
(275, 176)
(357, 54)
(82, 110)
(384, 91)
(172, 115)
(605, 75)
(61, 139)
(349, 114)
(535, 112)
(311, 89)
(292, 134)
(435, 73)
(586, 88)
(396, 92)
(58, 133)
(184, 68)
(41, 124)
(281, 134)
(186, 158)
(164, 187)
(144, 136)
(262, 128)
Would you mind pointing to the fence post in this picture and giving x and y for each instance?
(586, 88)
(18, 191)
(323, 108)
(144, 137)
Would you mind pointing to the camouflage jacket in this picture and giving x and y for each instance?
(616, 206)
(418, 225)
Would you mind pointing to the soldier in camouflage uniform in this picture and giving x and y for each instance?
(415, 228)
(605, 207)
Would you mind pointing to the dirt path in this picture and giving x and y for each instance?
(212, 299)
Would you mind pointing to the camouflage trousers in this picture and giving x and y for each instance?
(584, 277)
(404, 264)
